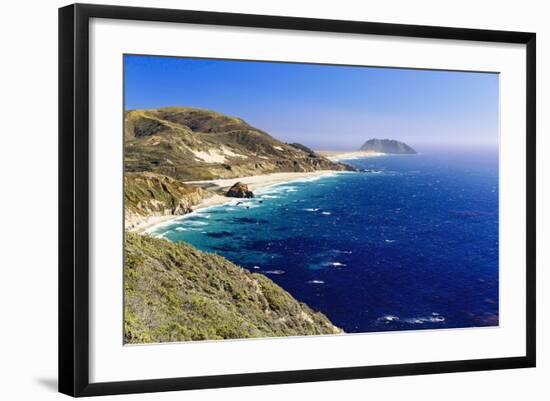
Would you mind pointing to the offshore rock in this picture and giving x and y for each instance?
(239, 190)
(387, 146)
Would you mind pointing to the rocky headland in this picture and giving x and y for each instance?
(178, 159)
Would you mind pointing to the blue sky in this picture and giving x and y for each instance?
(326, 107)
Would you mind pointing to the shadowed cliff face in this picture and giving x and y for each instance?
(193, 144)
(149, 194)
(174, 292)
(387, 146)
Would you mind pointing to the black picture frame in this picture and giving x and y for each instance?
(74, 198)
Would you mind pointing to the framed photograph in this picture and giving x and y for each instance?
(249, 199)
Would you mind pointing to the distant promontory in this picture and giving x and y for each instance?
(387, 146)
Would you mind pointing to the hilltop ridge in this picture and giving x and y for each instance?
(195, 144)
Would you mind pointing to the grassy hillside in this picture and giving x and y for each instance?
(174, 292)
(195, 144)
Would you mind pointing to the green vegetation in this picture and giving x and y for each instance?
(193, 144)
(174, 292)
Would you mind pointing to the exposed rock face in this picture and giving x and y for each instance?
(387, 146)
(174, 292)
(239, 190)
(192, 144)
(149, 194)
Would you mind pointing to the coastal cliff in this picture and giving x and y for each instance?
(174, 292)
(148, 195)
(190, 144)
(390, 146)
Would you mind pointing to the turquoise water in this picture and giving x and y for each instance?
(411, 242)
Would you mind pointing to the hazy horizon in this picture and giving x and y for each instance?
(326, 107)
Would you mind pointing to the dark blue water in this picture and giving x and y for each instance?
(412, 243)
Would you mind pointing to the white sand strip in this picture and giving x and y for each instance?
(260, 181)
(334, 155)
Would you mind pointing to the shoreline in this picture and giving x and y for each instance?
(254, 182)
(336, 156)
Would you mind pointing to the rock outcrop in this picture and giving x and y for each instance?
(390, 146)
(239, 190)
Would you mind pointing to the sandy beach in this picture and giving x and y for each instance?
(254, 182)
(258, 181)
(335, 155)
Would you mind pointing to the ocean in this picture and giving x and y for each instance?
(408, 243)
